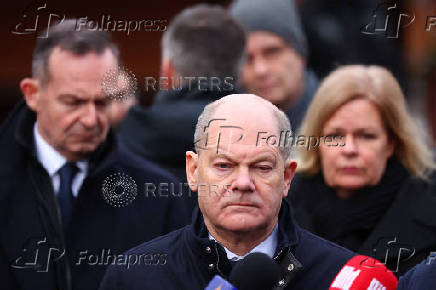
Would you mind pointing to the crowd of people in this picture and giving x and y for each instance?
(102, 193)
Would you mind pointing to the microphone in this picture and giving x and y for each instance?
(256, 271)
(363, 272)
(219, 283)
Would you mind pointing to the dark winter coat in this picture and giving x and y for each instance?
(30, 225)
(394, 218)
(189, 259)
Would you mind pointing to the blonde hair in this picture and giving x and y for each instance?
(378, 85)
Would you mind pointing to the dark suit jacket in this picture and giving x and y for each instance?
(30, 222)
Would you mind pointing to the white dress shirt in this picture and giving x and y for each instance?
(268, 247)
(52, 161)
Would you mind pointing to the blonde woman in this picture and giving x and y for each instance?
(372, 193)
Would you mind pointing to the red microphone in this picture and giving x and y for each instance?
(363, 272)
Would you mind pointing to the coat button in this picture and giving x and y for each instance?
(290, 267)
(211, 267)
(208, 250)
(281, 282)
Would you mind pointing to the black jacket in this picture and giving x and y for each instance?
(29, 215)
(405, 230)
(189, 260)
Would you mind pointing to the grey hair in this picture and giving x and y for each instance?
(283, 123)
(204, 40)
(68, 37)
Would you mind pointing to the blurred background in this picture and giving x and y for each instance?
(400, 35)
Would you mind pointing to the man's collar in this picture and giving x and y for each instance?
(102, 157)
(287, 236)
(268, 246)
(51, 159)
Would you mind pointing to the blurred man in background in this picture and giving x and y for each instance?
(201, 53)
(276, 51)
(118, 110)
(57, 229)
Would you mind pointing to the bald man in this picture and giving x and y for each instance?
(241, 178)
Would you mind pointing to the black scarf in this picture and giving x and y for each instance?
(349, 222)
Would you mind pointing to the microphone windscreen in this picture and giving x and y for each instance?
(363, 272)
(256, 271)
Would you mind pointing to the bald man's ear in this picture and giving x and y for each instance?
(192, 170)
(31, 90)
(288, 175)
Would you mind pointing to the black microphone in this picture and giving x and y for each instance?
(256, 271)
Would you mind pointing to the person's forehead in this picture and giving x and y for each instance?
(261, 38)
(244, 152)
(356, 113)
(89, 65)
(243, 107)
(79, 75)
(242, 123)
(251, 115)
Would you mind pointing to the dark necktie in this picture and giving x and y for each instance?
(65, 194)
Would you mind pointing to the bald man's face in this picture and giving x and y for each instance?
(273, 69)
(240, 184)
